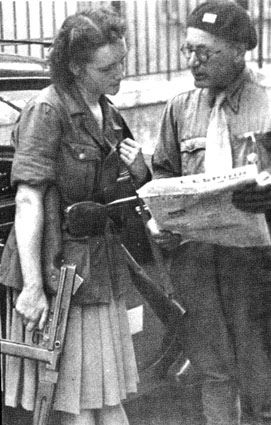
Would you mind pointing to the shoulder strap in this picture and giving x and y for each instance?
(127, 131)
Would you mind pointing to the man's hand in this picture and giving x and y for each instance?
(256, 197)
(131, 154)
(33, 306)
(164, 238)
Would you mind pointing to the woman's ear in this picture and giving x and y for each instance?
(75, 69)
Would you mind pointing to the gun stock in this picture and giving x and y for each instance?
(49, 349)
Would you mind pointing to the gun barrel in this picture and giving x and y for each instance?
(123, 201)
(167, 309)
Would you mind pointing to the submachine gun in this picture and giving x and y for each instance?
(62, 282)
(48, 351)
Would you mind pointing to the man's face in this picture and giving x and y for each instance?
(104, 73)
(218, 67)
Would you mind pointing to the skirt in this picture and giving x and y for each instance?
(97, 367)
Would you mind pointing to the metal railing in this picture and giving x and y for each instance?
(156, 29)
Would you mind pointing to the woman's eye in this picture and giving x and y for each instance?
(106, 69)
(112, 67)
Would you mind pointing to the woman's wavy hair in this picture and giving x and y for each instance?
(79, 37)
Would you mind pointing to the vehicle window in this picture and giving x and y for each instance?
(9, 101)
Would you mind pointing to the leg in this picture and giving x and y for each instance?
(86, 417)
(112, 415)
(221, 404)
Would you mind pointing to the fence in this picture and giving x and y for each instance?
(156, 29)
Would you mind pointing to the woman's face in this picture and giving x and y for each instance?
(104, 73)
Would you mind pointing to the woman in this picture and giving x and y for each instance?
(70, 136)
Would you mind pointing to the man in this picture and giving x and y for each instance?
(222, 124)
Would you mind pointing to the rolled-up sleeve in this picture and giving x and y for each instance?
(37, 139)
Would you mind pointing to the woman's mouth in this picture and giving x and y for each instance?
(199, 76)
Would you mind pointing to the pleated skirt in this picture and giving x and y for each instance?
(97, 368)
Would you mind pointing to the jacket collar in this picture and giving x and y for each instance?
(233, 91)
(77, 106)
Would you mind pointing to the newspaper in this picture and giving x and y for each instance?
(199, 207)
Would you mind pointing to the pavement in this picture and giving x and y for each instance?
(167, 406)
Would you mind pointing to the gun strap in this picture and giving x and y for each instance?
(105, 146)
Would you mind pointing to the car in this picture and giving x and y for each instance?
(156, 345)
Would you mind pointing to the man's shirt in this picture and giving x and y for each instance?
(181, 146)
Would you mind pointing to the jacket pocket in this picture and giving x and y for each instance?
(80, 166)
(90, 257)
(192, 155)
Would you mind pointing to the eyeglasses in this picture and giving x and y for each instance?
(203, 54)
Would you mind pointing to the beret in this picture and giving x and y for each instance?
(224, 19)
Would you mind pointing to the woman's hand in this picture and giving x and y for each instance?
(256, 197)
(33, 306)
(131, 155)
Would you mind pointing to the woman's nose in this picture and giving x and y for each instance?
(120, 72)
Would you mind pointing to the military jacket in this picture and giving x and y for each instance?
(57, 143)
